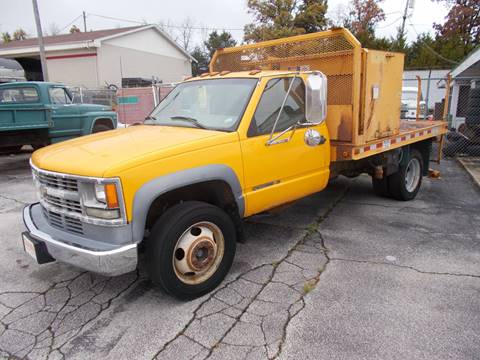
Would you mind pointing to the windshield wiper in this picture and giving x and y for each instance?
(190, 120)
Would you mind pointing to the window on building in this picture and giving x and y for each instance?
(271, 103)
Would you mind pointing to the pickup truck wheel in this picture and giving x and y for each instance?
(191, 249)
(405, 183)
(380, 186)
(99, 128)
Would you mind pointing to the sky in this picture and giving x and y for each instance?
(230, 15)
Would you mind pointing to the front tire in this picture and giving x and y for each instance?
(405, 183)
(191, 249)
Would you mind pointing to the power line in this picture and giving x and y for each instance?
(392, 23)
(429, 48)
(70, 23)
(165, 25)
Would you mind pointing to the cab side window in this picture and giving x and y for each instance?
(271, 102)
(58, 95)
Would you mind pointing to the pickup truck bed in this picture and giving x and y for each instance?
(410, 132)
(28, 117)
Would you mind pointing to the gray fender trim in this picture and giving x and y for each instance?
(149, 191)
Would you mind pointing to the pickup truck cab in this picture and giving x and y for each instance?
(42, 113)
(219, 148)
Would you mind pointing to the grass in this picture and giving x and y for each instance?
(308, 286)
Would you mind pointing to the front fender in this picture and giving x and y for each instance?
(90, 118)
(151, 190)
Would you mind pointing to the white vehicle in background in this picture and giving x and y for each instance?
(409, 103)
(11, 71)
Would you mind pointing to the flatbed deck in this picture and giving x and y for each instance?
(410, 132)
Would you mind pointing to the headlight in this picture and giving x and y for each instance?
(101, 199)
(100, 193)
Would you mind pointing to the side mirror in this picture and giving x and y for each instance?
(315, 98)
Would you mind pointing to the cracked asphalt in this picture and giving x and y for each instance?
(339, 275)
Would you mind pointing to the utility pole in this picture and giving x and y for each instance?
(404, 19)
(43, 59)
(84, 22)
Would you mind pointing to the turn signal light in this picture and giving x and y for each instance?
(111, 195)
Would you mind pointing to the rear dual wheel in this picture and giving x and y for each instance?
(191, 249)
(405, 183)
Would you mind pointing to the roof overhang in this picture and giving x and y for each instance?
(19, 51)
(35, 49)
(468, 67)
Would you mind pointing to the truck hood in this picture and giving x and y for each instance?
(95, 155)
(83, 108)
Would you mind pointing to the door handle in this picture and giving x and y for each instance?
(314, 138)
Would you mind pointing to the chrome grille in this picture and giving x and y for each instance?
(57, 182)
(63, 222)
(60, 200)
(70, 205)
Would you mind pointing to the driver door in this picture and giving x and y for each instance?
(65, 114)
(286, 169)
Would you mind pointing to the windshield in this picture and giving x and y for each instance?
(215, 104)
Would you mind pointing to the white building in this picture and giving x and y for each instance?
(433, 83)
(464, 77)
(97, 58)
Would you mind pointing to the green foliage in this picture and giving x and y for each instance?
(274, 19)
(6, 37)
(452, 41)
(202, 61)
(74, 29)
(20, 34)
(219, 41)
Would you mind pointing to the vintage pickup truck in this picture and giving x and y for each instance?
(42, 113)
(260, 130)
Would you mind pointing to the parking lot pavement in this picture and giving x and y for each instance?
(340, 274)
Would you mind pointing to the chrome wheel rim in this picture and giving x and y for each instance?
(412, 175)
(198, 253)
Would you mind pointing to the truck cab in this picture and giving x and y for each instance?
(42, 113)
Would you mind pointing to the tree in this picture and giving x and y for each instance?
(74, 29)
(167, 27)
(202, 61)
(20, 34)
(219, 41)
(186, 31)
(274, 19)
(6, 37)
(462, 22)
(362, 18)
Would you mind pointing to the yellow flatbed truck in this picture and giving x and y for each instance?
(270, 123)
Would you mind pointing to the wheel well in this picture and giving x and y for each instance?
(215, 192)
(103, 121)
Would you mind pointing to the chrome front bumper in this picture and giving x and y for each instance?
(110, 262)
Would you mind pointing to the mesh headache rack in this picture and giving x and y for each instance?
(364, 86)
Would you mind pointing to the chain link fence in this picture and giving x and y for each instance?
(136, 103)
(423, 98)
(463, 138)
(131, 104)
(106, 97)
